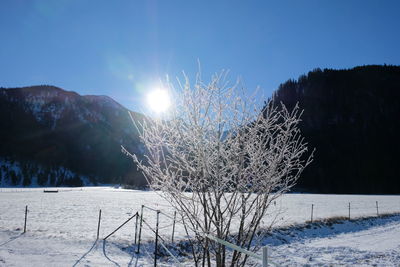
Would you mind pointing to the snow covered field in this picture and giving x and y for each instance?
(62, 228)
(368, 242)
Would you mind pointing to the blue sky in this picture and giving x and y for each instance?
(123, 48)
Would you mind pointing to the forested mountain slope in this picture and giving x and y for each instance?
(352, 118)
(45, 129)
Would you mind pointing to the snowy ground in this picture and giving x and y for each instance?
(368, 242)
(61, 229)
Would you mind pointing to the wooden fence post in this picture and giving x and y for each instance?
(173, 228)
(26, 215)
(377, 209)
(98, 225)
(156, 242)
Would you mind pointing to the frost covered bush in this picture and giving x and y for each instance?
(220, 159)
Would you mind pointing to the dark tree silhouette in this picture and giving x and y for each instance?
(352, 118)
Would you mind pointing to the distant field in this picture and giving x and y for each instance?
(73, 212)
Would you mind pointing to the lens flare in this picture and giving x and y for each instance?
(159, 100)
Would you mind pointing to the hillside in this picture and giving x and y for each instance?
(352, 118)
(54, 137)
(44, 129)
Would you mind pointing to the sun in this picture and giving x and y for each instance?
(159, 100)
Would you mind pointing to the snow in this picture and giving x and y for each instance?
(62, 228)
(8, 166)
(370, 242)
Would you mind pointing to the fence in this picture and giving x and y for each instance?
(349, 211)
(100, 213)
(263, 258)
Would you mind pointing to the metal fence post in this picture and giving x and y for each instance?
(173, 228)
(140, 229)
(349, 210)
(265, 256)
(98, 224)
(26, 215)
(119, 227)
(156, 241)
(312, 212)
(136, 222)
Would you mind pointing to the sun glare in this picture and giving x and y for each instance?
(159, 100)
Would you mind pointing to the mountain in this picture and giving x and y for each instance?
(50, 136)
(46, 131)
(352, 118)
